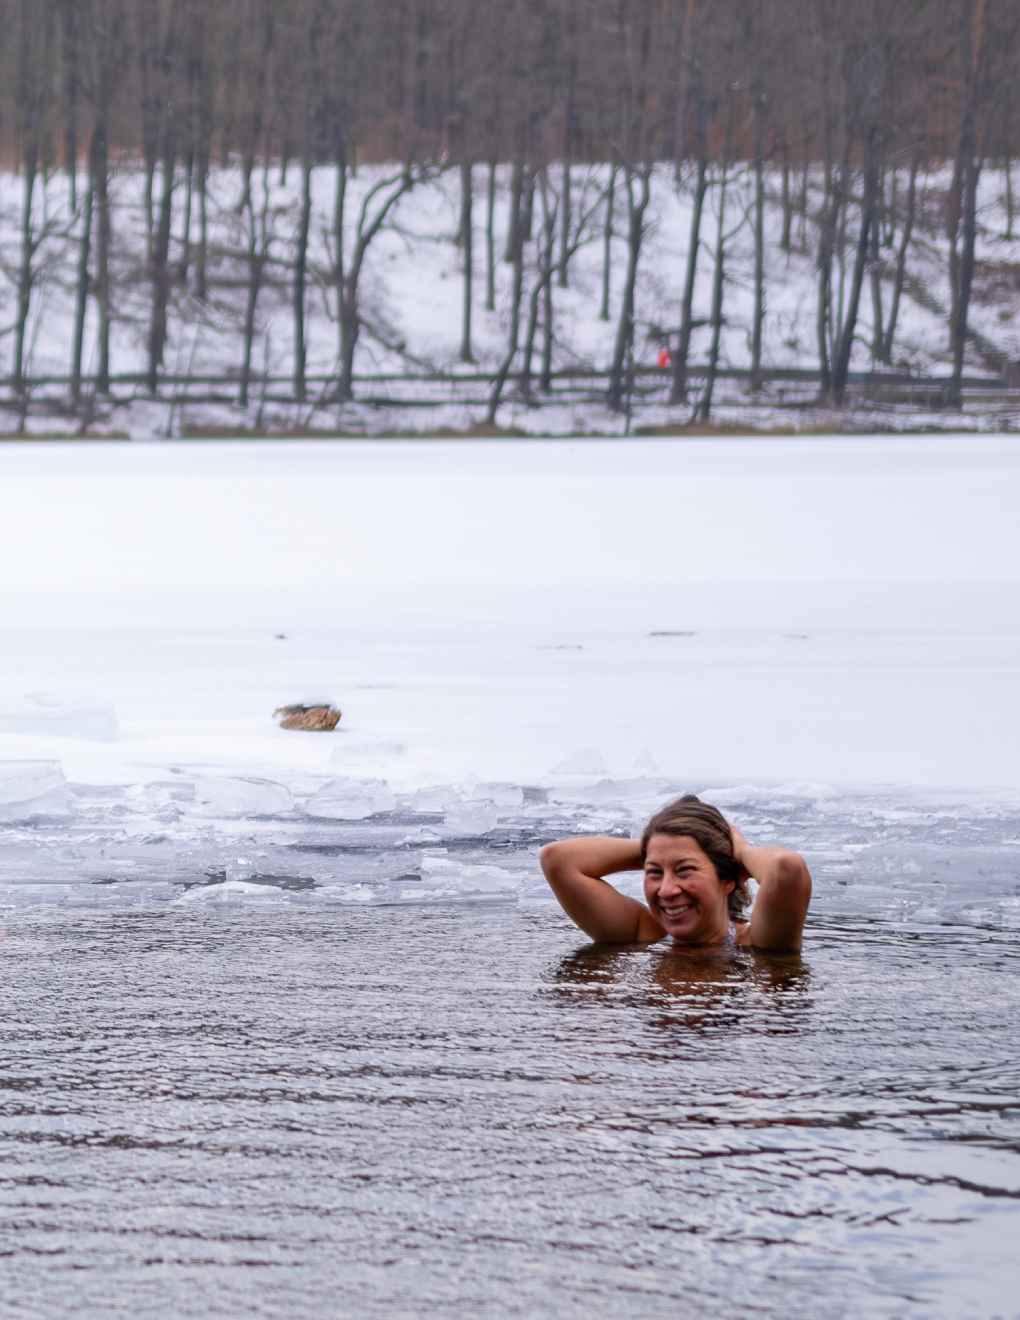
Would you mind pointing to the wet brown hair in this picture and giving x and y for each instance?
(689, 817)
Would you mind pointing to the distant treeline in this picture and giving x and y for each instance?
(859, 94)
(538, 79)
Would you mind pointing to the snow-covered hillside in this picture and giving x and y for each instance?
(411, 302)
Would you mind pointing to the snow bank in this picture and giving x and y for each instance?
(412, 305)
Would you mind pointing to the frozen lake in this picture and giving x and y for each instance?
(527, 639)
(601, 622)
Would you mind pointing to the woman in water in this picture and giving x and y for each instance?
(696, 867)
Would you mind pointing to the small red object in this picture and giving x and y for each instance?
(665, 357)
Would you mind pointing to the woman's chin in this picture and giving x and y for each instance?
(684, 927)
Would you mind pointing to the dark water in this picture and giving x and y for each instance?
(465, 1111)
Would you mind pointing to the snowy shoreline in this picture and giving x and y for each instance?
(826, 427)
(409, 374)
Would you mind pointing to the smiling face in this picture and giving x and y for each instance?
(683, 890)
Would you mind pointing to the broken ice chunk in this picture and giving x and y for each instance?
(435, 797)
(470, 818)
(230, 891)
(241, 797)
(499, 794)
(463, 881)
(33, 790)
(351, 799)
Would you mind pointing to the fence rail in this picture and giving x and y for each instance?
(65, 403)
(696, 371)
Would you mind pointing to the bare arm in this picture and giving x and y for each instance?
(784, 892)
(576, 871)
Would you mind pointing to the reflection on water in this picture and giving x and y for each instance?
(460, 1112)
(706, 990)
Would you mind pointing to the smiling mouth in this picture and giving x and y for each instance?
(675, 911)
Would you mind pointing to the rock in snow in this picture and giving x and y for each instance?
(310, 719)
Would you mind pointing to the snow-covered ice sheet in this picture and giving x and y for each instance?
(526, 639)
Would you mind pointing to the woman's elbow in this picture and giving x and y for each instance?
(792, 874)
(549, 857)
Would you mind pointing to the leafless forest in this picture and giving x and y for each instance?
(835, 107)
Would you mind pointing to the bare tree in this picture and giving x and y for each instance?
(695, 134)
(34, 43)
(973, 32)
(259, 244)
(516, 298)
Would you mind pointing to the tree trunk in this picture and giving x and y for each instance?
(189, 200)
(823, 317)
(637, 205)
(954, 218)
(247, 170)
(566, 218)
(844, 190)
(350, 330)
(718, 291)
(528, 348)
(758, 327)
(71, 56)
(202, 257)
(147, 202)
(548, 325)
(161, 270)
(678, 393)
(516, 210)
(848, 330)
(490, 239)
(967, 175)
(972, 175)
(785, 240)
(25, 268)
(104, 237)
(81, 301)
(891, 209)
(256, 263)
(901, 264)
(467, 236)
(301, 277)
(346, 315)
(876, 267)
(607, 246)
(516, 297)
(541, 300)
(804, 203)
(526, 218)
